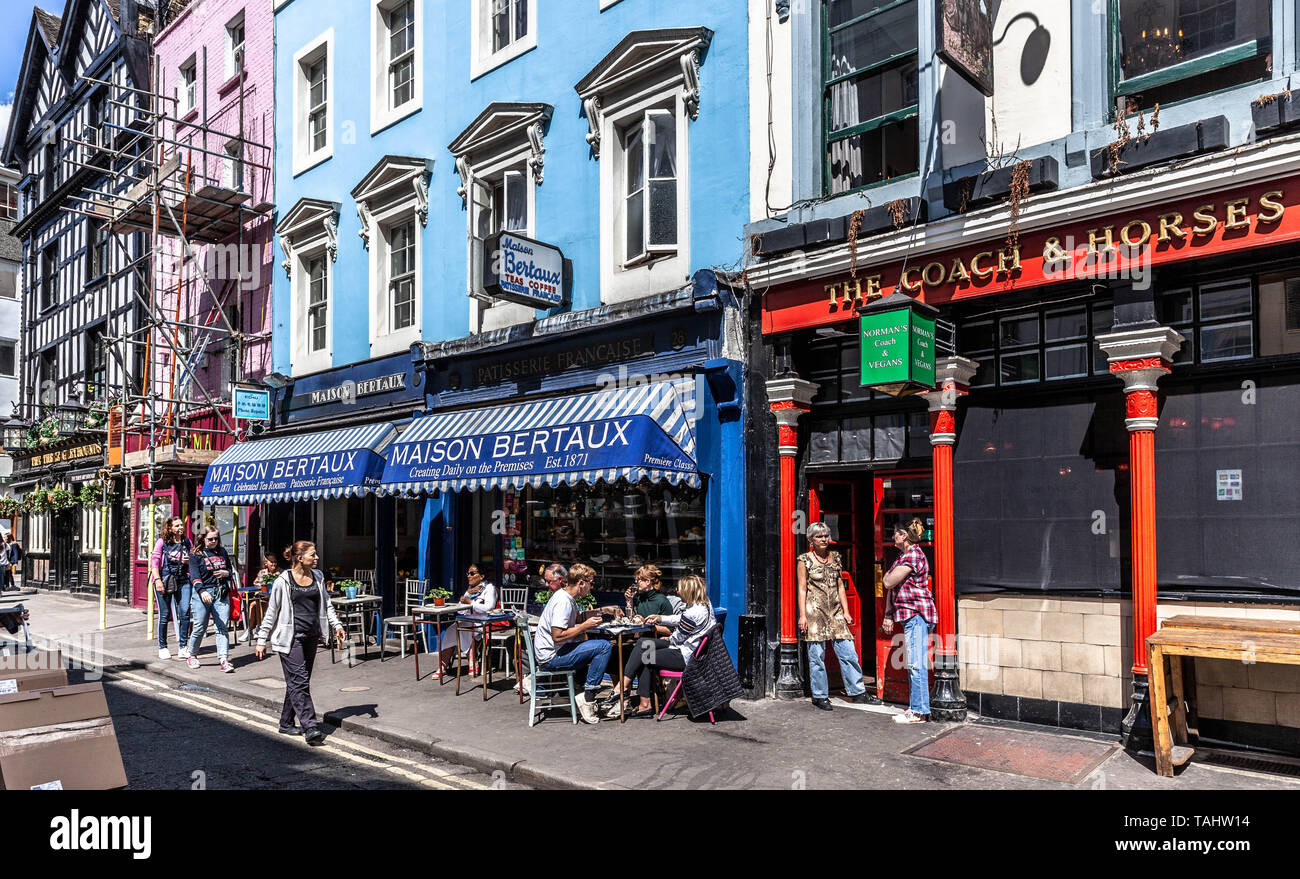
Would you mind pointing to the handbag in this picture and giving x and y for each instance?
(171, 585)
(236, 608)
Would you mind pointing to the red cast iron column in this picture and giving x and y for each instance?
(1139, 358)
(788, 398)
(952, 379)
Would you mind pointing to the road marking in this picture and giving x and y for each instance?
(370, 757)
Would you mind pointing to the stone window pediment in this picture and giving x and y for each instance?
(664, 58)
(393, 180)
(307, 221)
(501, 129)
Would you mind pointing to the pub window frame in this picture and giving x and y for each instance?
(1135, 86)
(1041, 346)
(1192, 350)
(899, 116)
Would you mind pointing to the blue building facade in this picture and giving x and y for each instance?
(414, 139)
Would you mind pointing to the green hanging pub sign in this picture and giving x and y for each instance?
(896, 334)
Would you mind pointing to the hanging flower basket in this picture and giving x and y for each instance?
(61, 499)
(10, 507)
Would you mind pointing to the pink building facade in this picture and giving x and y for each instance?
(215, 60)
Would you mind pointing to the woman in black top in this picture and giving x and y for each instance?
(212, 576)
(298, 615)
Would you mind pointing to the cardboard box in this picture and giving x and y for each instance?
(61, 737)
(37, 670)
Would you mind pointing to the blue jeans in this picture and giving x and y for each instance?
(182, 608)
(576, 654)
(850, 670)
(916, 635)
(219, 610)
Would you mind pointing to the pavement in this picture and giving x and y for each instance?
(766, 743)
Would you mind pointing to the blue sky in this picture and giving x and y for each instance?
(17, 15)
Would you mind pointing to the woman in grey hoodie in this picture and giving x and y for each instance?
(298, 615)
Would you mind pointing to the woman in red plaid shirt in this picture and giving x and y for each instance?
(910, 602)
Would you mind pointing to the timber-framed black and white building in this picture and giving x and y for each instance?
(77, 109)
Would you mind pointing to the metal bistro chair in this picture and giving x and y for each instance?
(667, 675)
(366, 577)
(515, 600)
(549, 686)
(405, 623)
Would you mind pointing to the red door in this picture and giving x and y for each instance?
(837, 503)
(162, 509)
(897, 497)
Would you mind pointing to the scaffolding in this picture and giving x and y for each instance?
(157, 169)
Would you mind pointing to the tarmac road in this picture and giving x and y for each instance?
(177, 736)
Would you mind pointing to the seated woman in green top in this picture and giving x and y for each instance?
(646, 597)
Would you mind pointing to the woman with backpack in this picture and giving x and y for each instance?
(298, 615)
(212, 578)
(169, 568)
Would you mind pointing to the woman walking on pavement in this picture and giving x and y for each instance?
(212, 578)
(169, 571)
(909, 601)
(298, 615)
(824, 616)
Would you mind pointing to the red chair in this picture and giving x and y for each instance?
(677, 675)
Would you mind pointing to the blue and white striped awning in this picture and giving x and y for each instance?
(336, 463)
(644, 431)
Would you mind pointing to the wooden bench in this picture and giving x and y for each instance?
(1210, 638)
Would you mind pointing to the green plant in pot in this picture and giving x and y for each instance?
(345, 585)
(439, 596)
(541, 596)
(586, 602)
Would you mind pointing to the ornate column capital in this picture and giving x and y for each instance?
(788, 398)
(1139, 358)
(952, 377)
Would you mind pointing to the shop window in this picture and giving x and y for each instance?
(615, 529)
(1279, 315)
(870, 93)
(1172, 50)
(360, 520)
(1216, 320)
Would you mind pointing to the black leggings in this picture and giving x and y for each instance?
(647, 655)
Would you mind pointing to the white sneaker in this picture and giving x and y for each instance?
(164, 653)
(192, 661)
(183, 653)
(615, 711)
(227, 667)
(587, 710)
(908, 717)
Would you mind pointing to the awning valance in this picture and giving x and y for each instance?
(336, 463)
(622, 433)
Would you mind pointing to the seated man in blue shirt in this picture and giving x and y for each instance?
(558, 646)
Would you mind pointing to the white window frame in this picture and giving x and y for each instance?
(382, 111)
(187, 90)
(92, 519)
(644, 129)
(383, 338)
(308, 231)
(482, 58)
(304, 157)
(232, 66)
(495, 314)
(232, 166)
(39, 538)
(605, 4)
(303, 359)
(647, 71)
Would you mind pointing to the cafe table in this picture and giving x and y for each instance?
(360, 607)
(248, 597)
(482, 624)
(621, 633)
(437, 613)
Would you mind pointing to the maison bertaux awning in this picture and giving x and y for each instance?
(644, 431)
(335, 463)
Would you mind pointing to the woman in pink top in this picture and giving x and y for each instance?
(169, 567)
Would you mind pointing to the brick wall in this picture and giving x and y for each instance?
(1080, 650)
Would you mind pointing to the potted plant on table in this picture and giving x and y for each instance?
(349, 587)
(439, 596)
(587, 605)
